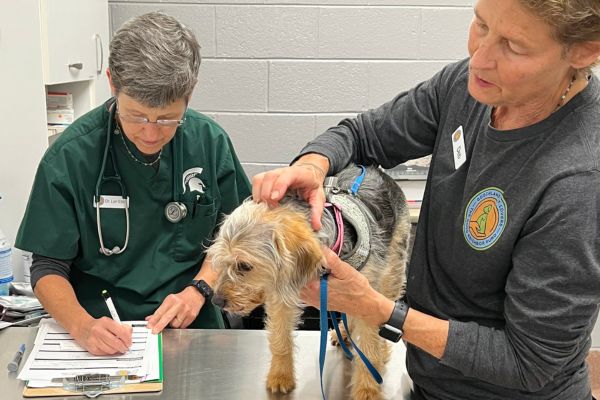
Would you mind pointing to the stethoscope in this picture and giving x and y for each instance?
(175, 211)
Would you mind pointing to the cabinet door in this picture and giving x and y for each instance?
(70, 38)
(101, 85)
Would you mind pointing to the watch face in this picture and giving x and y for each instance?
(390, 333)
(392, 330)
(204, 289)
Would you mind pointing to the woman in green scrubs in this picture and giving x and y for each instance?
(83, 237)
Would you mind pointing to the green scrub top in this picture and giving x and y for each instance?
(161, 257)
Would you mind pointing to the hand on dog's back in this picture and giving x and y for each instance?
(305, 177)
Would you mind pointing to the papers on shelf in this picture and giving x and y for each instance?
(29, 319)
(20, 303)
(56, 355)
(20, 310)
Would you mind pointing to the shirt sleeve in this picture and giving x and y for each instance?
(42, 266)
(403, 129)
(552, 294)
(50, 226)
(233, 182)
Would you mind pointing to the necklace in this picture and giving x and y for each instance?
(561, 102)
(146, 164)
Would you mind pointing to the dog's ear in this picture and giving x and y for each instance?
(297, 238)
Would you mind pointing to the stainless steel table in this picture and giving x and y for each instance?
(227, 365)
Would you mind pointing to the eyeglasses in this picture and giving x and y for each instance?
(168, 123)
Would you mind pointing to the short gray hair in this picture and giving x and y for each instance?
(154, 59)
(572, 21)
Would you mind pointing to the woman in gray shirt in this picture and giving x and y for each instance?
(503, 285)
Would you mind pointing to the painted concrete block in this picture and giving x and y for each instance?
(268, 137)
(231, 85)
(199, 18)
(267, 32)
(444, 33)
(369, 33)
(319, 86)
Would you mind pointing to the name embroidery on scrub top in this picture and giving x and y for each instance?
(485, 218)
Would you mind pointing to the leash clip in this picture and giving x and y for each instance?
(330, 186)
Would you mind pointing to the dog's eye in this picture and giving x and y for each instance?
(243, 267)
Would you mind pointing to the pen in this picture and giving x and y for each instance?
(13, 366)
(195, 204)
(111, 306)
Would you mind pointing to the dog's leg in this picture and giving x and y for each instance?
(364, 387)
(280, 323)
(335, 340)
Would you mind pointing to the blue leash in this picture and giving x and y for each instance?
(358, 181)
(333, 315)
(323, 342)
(323, 326)
(374, 373)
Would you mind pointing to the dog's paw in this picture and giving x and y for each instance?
(280, 382)
(366, 393)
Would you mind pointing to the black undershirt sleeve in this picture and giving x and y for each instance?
(42, 266)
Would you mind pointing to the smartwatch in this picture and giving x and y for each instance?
(392, 329)
(203, 287)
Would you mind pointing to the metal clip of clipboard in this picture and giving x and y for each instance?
(92, 385)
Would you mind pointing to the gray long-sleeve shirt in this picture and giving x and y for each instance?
(507, 245)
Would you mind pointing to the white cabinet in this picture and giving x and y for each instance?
(74, 37)
(38, 41)
(73, 32)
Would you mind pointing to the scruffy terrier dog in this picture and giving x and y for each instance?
(266, 255)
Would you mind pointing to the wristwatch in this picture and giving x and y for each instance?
(203, 287)
(392, 329)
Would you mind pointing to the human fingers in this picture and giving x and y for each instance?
(306, 178)
(267, 193)
(164, 314)
(257, 181)
(317, 203)
(176, 322)
(107, 336)
(125, 333)
(191, 312)
(310, 293)
(338, 268)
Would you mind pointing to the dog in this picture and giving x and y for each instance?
(267, 255)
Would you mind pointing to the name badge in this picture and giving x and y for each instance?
(458, 147)
(112, 202)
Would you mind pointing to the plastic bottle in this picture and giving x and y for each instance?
(6, 270)
(27, 261)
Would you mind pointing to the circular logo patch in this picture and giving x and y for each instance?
(485, 218)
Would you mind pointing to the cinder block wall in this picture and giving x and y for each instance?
(275, 73)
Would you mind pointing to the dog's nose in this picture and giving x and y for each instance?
(219, 301)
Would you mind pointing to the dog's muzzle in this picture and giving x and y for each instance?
(219, 301)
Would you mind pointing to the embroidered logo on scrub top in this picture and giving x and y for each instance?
(192, 181)
(485, 218)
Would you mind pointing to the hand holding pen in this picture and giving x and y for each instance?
(103, 336)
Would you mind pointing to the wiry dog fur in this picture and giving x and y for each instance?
(265, 256)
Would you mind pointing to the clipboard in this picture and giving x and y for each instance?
(138, 387)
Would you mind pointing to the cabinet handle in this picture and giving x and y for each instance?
(78, 66)
(98, 39)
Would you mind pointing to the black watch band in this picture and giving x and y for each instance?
(203, 287)
(392, 329)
